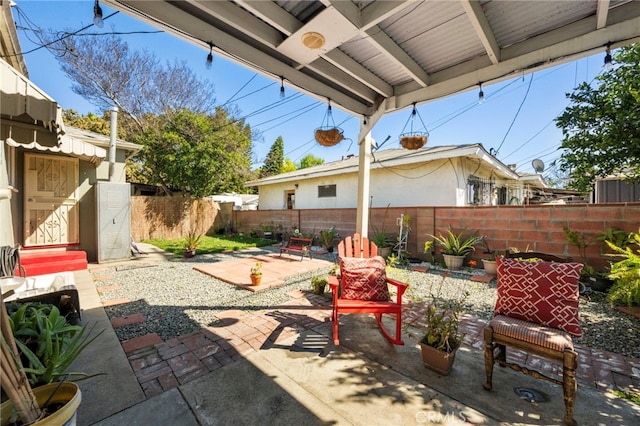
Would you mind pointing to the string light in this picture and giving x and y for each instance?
(608, 66)
(281, 87)
(97, 15)
(480, 96)
(209, 62)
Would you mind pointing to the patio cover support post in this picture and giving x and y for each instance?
(364, 169)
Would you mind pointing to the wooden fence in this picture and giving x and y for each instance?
(538, 227)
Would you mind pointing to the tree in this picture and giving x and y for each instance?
(289, 166)
(310, 160)
(89, 122)
(601, 135)
(275, 159)
(203, 154)
(188, 142)
(107, 73)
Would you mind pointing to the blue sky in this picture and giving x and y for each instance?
(453, 120)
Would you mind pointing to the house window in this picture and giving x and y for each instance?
(290, 199)
(326, 191)
(10, 157)
(479, 191)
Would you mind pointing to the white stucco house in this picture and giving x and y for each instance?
(460, 175)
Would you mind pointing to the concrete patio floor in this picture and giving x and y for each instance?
(279, 366)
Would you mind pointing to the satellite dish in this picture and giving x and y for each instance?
(538, 165)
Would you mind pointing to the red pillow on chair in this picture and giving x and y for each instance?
(541, 292)
(364, 279)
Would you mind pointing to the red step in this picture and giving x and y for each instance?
(50, 262)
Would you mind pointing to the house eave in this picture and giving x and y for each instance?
(390, 159)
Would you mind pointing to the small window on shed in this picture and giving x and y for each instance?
(326, 191)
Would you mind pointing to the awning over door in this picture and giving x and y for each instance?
(32, 120)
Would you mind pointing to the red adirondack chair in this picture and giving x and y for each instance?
(363, 285)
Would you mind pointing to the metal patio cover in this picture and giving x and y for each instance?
(381, 56)
(374, 57)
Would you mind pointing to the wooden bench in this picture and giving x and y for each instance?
(298, 245)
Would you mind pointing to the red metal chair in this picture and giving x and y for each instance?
(347, 300)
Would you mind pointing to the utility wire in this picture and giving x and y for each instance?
(516, 116)
(239, 90)
(67, 35)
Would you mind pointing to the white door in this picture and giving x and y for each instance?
(50, 200)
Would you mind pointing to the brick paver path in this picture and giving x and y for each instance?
(160, 366)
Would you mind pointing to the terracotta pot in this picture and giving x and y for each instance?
(188, 253)
(453, 262)
(439, 361)
(490, 266)
(66, 394)
(256, 279)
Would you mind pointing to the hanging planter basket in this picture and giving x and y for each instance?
(328, 134)
(414, 139)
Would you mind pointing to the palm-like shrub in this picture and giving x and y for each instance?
(626, 272)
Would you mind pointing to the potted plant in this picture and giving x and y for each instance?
(191, 242)
(327, 238)
(488, 258)
(38, 346)
(318, 284)
(256, 274)
(383, 242)
(267, 230)
(442, 337)
(589, 276)
(455, 247)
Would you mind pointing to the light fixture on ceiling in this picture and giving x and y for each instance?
(97, 15)
(209, 62)
(608, 66)
(281, 87)
(313, 40)
(480, 96)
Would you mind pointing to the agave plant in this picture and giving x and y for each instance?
(47, 342)
(456, 244)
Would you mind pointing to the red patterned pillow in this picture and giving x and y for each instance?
(364, 279)
(542, 292)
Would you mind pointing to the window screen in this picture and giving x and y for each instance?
(326, 191)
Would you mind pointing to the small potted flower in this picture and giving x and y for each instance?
(318, 284)
(256, 274)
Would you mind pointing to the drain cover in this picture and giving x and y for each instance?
(531, 395)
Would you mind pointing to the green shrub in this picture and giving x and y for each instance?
(626, 272)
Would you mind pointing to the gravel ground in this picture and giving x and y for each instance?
(176, 300)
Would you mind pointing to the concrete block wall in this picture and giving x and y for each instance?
(538, 228)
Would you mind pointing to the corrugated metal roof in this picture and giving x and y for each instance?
(403, 52)
(516, 21)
